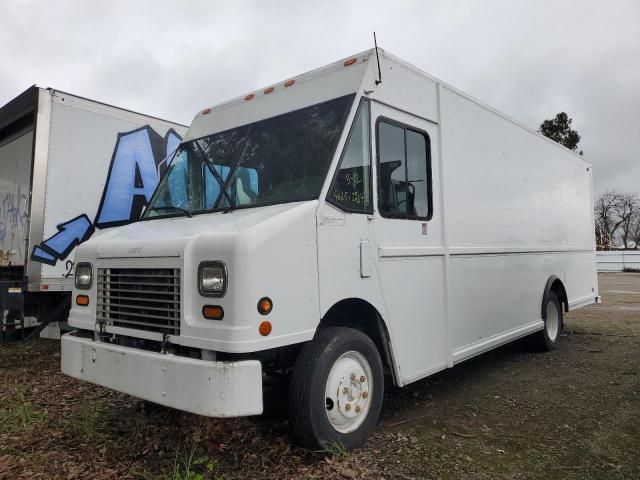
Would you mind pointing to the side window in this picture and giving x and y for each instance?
(404, 177)
(351, 187)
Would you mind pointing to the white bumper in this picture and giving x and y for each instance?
(213, 389)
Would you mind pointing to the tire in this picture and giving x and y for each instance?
(547, 339)
(345, 361)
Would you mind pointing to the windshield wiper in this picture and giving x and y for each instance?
(213, 171)
(184, 211)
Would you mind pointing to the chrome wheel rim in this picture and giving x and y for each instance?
(348, 392)
(553, 321)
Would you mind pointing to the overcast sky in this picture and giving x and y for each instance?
(529, 59)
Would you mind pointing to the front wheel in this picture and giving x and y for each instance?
(336, 389)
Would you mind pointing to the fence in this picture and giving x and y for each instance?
(618, 260)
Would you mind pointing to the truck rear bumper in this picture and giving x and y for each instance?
(213, 389)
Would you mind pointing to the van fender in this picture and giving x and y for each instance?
(553, 284)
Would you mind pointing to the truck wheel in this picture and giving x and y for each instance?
(547, 339)
(336, 389)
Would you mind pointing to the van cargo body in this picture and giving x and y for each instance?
(337, 226)
(61, 158)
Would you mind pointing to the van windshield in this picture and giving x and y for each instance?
(277, 160)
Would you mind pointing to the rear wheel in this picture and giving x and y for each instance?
(547, 339)
(336, 389)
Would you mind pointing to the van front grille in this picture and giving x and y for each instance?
(140, 298)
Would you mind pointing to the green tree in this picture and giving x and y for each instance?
(559, 130)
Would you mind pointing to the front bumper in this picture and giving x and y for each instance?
(213, 389)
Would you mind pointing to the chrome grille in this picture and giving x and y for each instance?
(140, 298)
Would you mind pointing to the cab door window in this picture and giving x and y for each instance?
(351, 187)
(404, 171)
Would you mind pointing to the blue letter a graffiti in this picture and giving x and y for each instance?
(132, 178)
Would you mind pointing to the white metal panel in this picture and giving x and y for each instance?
(15, 177)
(508, 187)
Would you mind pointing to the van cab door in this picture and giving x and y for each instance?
(409, 240)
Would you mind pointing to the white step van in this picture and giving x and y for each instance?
(359, 222)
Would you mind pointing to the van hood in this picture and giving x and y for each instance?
(167, 237)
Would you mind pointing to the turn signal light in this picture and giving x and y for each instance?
(265, 305)
(213, 312)
(265, 328)
(82, 300)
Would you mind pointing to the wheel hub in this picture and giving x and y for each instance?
(348, 392)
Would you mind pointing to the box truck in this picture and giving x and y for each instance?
(69, 168)
(362, 223)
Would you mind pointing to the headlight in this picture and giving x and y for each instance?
(84, 276)
(212, 279)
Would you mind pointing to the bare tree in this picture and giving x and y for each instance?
(626, 211)
(635, 229)
(606, 219)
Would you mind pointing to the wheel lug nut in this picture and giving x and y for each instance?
(357, 408)
(362, 379)
(345, 390)
(365, 394)
(353, 376)
(347, 407)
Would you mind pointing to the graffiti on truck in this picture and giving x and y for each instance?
(13, 220)
(138, 162)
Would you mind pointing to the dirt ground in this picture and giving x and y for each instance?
(570, 414)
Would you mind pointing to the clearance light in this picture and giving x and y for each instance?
(213, 312)
(206, 110)
(265, 305)
(249, 97)
(82, 300)
(288, 83)
(265, 328)
(351, 61)
(268, 90)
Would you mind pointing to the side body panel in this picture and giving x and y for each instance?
(518, 210)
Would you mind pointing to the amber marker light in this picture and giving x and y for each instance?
(213, 312)
(82, 300)
(288, 83)
(249, 97)
(265, 328)
(206, 110)
(265, 305)
(268, 90)
(351, 61)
